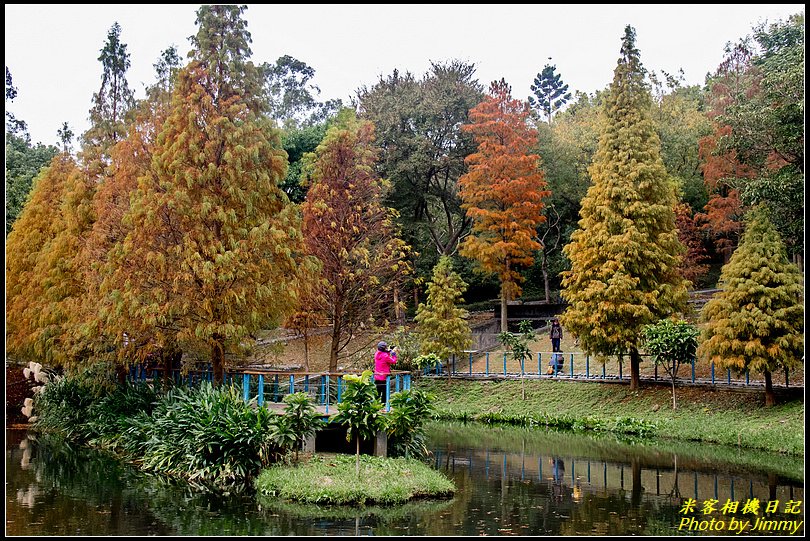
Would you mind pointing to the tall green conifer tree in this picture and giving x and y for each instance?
(756, 321)
(625, 254)
(441, 324)
(111, 104)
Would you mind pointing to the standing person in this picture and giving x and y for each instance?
(383, 359)
(556, 334)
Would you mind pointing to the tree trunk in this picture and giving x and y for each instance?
(333, 349)
(121, 373)
(770, 398)
(397, 308)
(545, 277)
(218, 363)
(635, 361)
(306, 350)
(336, 330)
(504, 304)
(674, 373)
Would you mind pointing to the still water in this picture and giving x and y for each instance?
(510, 481)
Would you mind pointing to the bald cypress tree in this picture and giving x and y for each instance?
(756, 321)
(625, 254)
(214, 244)
(43, 281)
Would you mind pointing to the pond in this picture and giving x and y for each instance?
(510, 481)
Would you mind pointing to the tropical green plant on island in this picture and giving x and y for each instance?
(756, 321)
(671, 343)
(299, 422)
(360, 411)
(518, 344)
(404, 423)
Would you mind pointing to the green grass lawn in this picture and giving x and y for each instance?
(331, 479)
(717, 416)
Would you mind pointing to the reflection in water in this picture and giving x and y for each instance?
(510, 481)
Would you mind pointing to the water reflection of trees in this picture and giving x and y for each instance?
(70, 491)
(553, 489)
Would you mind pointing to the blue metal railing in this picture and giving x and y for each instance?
(579, 367)
(327, 387)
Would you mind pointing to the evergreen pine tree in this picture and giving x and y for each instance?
(550, 93)
(111, 104)
(625, 254)
(756, 321)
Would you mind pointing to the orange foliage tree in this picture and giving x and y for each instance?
(722, 221)
(349, 230)
(44, 287)
(503, 190)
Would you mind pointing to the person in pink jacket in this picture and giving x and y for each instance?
(383, 359)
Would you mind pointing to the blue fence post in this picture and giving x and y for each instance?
(323, 390)
(471, 363)
(306, 383)
(504, 363)
(521, 367)
(438, 367)
(746, 377)
(655, 374)
(712, 372)
(408, 378)
(261, 390)
(693, 369)
(292, 384)
(539, 369)
(728, 375)
(396, 383)
(603, 371)
(387, 393)
(587, 366)
(572, 365)
(452, 367)
(275, 389)
(246, 387)
(486, 370)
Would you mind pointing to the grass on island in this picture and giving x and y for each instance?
(736, 418)
(331, 480)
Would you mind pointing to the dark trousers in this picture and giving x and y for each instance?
(381, 385)
(555, 344)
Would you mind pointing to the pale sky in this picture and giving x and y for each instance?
(52, 50)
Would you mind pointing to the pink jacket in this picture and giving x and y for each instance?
(382, 364)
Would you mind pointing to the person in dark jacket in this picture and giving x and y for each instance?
(556, 334)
